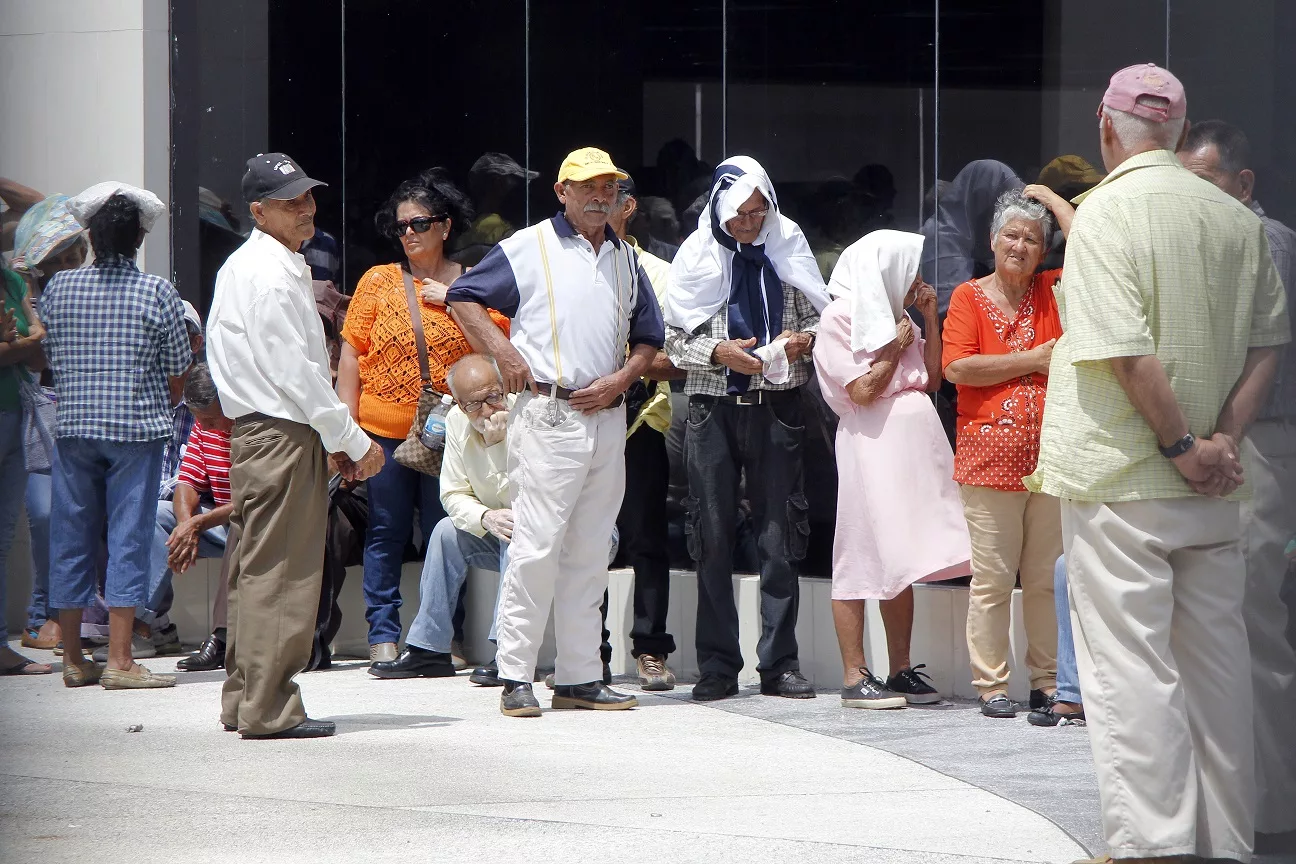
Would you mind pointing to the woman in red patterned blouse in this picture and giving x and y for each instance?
(998, 341)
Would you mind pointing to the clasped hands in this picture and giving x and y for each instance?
(1213, 466)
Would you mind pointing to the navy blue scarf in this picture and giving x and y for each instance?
(754, 281)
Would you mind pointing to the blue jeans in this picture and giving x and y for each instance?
(97, 482)
(1068, 679)
(394, 492)
(211, 544)
(39, 490)
(12, 469)
(450, 553)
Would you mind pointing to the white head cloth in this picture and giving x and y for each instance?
(85, 205)
(700, 274)
(875, 272)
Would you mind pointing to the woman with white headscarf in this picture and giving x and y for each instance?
(899, 520)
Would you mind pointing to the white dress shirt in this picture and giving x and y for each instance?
(474, 477)
(266, 347)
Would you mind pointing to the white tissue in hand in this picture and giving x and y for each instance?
(494, 428)
(774, 358)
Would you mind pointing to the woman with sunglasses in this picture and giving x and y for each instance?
(379, 378)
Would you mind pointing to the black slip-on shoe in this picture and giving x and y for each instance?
(210, 656)
(712, 687)
(414, 663)
(518, 700)
(1039, 700)
(999, 706)
(486, 676)
(1049, 715)
(911, 684)
(308, 728)
(790, 685)
(594, 696)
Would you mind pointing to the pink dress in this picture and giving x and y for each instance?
(899, 517)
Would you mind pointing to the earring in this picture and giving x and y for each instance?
(445, 236)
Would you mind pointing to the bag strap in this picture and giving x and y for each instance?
(416, 318)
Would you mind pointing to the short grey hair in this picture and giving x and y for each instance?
(1014, 205)
(200, 388)
(450, 373)
(1132, 130)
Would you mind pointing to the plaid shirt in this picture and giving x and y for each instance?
(182, 424)
(115, 335)
(692, 352)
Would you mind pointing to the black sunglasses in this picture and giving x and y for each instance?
(420, 224)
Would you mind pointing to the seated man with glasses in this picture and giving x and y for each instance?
(474, 491)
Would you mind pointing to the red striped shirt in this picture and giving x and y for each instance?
(206, 463)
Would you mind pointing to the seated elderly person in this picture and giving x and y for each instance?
(999, 337)
(474, 491)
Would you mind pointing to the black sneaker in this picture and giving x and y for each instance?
(790, 685)
(712, 687)
(1050, 716)
(517, 700)
(999, 706)
(870, 692)
(910, 683)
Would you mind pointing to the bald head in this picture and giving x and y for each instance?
(472, 374)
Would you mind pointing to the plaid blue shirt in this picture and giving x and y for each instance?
(114, 336)
(181, 426)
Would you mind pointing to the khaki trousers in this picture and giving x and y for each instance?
(1268, 524)
(1012, 533)
(1156, 606)
(279, 484)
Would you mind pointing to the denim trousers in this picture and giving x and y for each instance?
(39, 491)
(97, 482)
(394, 494)
(1068, 679)
(764, 441)
(450, 553)
(12, 469)
(211, 544)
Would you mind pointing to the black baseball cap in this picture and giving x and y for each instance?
(275, 175)
(627, 186)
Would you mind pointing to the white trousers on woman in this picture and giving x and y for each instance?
(567, 482)
(1156, 607)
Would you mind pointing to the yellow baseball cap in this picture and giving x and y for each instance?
(588, 162)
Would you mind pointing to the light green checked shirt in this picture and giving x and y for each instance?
(1159, 262)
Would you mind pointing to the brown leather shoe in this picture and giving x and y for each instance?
(39, 642)
(383, 652)
(654, 674)
(139, 678)
(81, 675)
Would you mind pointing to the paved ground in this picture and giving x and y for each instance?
(430, 771)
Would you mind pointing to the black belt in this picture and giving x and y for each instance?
(545, 389)
(752, 397)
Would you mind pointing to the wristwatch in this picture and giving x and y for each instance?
(1180, 447)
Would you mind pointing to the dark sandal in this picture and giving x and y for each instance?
(23, 665)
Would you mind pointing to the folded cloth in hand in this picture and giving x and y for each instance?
(774, 356)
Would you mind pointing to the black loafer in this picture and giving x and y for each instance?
(712, 687)
(486, 676)
(414, 663)
(790, 685)
(517, 700)
(228, 728)
(210, 656)
(594, 696)
(308, 728)
(999, 706)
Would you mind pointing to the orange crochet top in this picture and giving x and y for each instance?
(378, 327)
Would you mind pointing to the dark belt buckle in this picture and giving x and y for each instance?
(747, 398)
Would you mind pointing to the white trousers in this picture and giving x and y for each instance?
(567, 483)
(1156, 608)
(1268, 524)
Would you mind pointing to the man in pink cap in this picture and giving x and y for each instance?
(1173, 315)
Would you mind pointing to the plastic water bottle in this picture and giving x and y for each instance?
(434, 428)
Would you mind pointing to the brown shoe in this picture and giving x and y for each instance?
(38, 641)
(654, 674)
(383, 652)
(457, 656)
(139, 678)
(81, 675)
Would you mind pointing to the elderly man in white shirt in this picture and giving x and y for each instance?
(266, 350)
(475, 492)
(586, 326)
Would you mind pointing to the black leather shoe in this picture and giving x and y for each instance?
(210, 656)
(486, 676)
(308, 728)
(712, 687)
(1038, 700)
(595, 696)
(228, 728)
(414, 663)
(517, 700)
(789, 685)
(999, 707)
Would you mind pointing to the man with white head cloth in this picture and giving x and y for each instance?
(742, 307)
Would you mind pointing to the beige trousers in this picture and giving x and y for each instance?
(1012, 532)
(1268, 524)
(1156, 609)
(279, 485)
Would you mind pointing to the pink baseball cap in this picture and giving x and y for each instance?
(1145, 79)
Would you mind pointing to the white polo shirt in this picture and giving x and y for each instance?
(572, 325)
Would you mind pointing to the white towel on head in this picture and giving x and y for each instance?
(875, 272)
(87, 204)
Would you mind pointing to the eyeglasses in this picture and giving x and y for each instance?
(750, 215)
(494, 399)
(420, 224)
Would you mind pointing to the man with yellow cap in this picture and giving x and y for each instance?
(586, 325)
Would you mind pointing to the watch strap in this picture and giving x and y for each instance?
(1180, 447)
